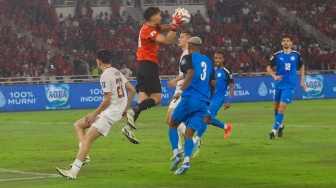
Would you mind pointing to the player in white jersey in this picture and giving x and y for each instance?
(113, 107)
(178, 81)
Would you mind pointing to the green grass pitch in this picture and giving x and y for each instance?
(32, 144)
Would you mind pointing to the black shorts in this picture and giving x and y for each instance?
(148, 78)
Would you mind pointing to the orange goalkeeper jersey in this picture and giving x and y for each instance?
(148, 48)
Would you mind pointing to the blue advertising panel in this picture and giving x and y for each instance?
(86, 95)
(90, 95)
(22, 98)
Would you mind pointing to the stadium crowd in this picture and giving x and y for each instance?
(320, 14)
(246, 31)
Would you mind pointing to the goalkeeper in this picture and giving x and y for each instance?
(149, 85)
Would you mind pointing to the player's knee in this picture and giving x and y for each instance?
(157, 101)
(77, 126)
(173, 124)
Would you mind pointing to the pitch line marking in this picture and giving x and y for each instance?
(41, 175)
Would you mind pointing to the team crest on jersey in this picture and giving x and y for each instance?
(219, 75)
(103, 84)
(292, 58)
(183, 62)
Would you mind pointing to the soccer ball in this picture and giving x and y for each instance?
(185, 15)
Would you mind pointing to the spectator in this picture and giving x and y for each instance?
(126, 71)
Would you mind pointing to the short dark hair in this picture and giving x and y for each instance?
(150, 11)
(189, 33)
(287, 36)
(104, 56)
(220, 52)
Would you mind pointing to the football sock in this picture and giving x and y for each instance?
(175, 152)
(136, 115)
(278, 121)
(275, 113)
(76, 167)
(202, 130)
(181, 128)
(217, 123)
(173, 138)
(179, 141)
(188, 147)
(146, 104)
(186, 160)
(196, 139)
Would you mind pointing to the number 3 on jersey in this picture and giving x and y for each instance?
(120, 89)
(203, 75)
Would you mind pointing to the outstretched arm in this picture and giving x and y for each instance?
(303, 83)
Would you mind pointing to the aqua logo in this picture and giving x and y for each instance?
(314, 85)
(58, 96)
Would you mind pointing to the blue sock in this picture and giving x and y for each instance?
(217, 123)
(188, 147)
(202, 130)
(173, 138)
(278, 121)
(275, 113)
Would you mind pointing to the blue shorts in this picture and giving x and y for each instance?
(191, 112)
(283, 95)
(212, 111)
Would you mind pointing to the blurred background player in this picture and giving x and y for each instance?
(149, 85)
(286, 63)
(196, 91)
(223, 79)
(178, 81)
(113, 107)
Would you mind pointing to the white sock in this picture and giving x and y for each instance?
(281, 126)
(196, 139)
(179, 141)
(186, 160)
(273, 130)
(225, 126)
(76, 167)
(181, 128)
(175, 151)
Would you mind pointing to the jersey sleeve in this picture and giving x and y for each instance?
(124, 79)
(105, 82)
(272, 61)
(186, 63)
(229, 77)
(213, 74)
(300, 63)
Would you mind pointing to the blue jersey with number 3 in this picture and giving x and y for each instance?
(199, 87)
(286, 67)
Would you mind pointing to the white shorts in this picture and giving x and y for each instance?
(174, 103)
(103, 124)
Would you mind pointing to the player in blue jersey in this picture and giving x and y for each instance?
(197, 89)
(223, 79)
(286, 62)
